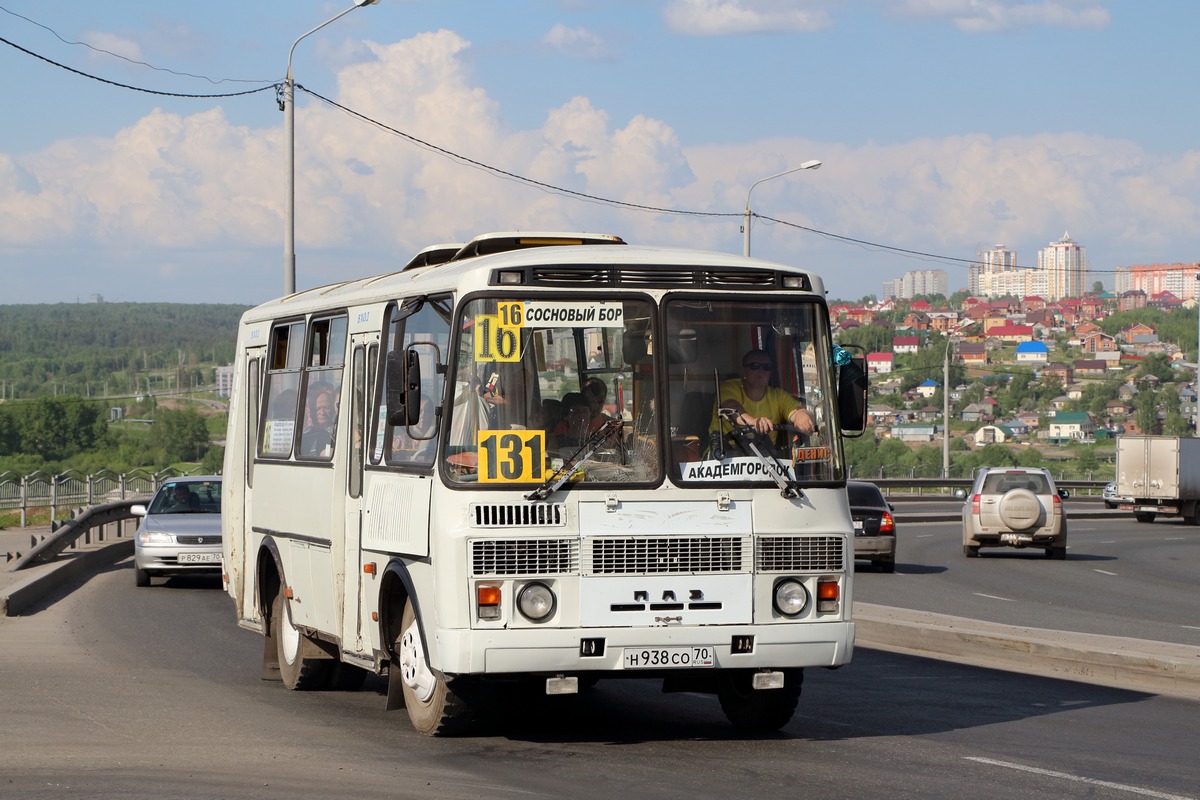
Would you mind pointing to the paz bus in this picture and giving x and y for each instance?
(508, 462)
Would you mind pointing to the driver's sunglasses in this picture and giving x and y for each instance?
(759, 367)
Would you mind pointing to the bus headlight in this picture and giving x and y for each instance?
(535, 601)
(790, 597)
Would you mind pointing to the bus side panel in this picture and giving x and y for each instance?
(397, 514)
(307, 523)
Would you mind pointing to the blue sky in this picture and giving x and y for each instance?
(944, 126)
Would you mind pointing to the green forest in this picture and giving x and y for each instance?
(111, 349)
(81, 383)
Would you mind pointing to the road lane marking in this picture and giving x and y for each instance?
(1080, 779)
(1191, 627)
(993, 597)
(1103, 571)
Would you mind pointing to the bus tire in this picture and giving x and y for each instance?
(750, 709)
(434, 707)
(297, 671)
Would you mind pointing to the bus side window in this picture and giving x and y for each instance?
(282, 390)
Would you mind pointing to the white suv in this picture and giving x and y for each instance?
(1015, 507)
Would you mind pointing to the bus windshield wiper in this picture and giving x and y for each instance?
(577, 459)
(747, 438)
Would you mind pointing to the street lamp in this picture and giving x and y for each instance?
(288, 106)
(946, 408)
(746, 220)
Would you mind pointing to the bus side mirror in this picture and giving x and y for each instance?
(852, 395)
(403, 387)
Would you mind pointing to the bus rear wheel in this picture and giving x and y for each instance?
(297, 671)
(434, 707)
(751, 709)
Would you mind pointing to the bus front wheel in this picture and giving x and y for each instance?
(434, 707)
(751, 709)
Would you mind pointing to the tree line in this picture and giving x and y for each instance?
(94, 349)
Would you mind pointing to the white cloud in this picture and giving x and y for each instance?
(725, 17)
(577, 42)
(171, 195)
(991, 16)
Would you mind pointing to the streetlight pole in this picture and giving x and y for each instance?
(946, 411)
(746, 216)
(288, 106)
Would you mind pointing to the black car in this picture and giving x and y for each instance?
(874, 526)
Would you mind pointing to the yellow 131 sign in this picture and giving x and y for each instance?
(498, 336)
(512, 456)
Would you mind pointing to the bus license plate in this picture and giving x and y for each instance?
(668, 657)
(199, 558)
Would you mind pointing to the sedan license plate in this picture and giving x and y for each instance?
(660, 657)
(199, 558)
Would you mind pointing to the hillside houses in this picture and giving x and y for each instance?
(996, 340)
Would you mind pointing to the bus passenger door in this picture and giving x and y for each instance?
(243, 545)
(352, 610)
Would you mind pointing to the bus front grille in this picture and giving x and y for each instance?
(517, 515)
(515, 557)
(659, 555)
(801, 554)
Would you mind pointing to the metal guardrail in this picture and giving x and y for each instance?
(946, 486)
(72, 489)
(68, 534)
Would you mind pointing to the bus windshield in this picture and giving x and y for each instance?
(750, 392)
(554, 387)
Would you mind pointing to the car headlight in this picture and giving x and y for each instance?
(791, 597)
(154, 537)
(535, 601)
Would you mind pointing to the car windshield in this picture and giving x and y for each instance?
(188, 497)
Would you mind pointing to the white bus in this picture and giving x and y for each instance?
(506, 461)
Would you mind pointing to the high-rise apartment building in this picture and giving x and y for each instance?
(1178, 279)
(995, 261)
(918, 282)
(1065, 267)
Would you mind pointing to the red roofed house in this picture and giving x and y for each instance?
(879, 363)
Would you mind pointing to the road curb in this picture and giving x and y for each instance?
(1118, 662)
(30, 585)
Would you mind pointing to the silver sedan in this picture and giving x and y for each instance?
(180, 531)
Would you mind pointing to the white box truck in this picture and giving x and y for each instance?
(1159, 475)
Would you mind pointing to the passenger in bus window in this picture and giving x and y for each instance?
(317, 440)
(749, 400)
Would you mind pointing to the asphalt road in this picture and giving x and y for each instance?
(1121, 578)
(113, 691)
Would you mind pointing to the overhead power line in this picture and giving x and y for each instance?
(95, 49)
(126, 85)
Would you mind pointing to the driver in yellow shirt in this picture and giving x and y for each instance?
(749, 401)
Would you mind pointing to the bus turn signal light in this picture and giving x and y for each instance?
(828, 595)
(488, 601)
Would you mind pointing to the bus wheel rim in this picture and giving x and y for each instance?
(413, 667)
(289, 637)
